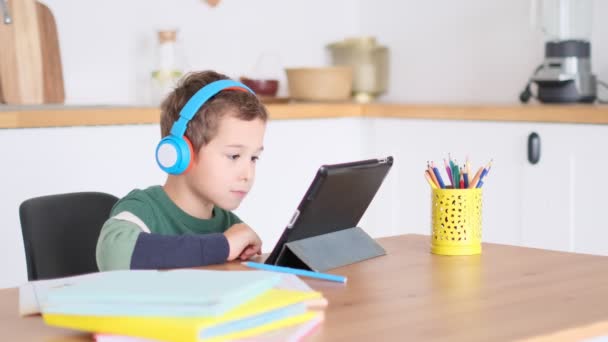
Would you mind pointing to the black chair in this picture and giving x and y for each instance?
(60, 232)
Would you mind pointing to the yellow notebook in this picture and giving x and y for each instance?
(288, 329)
(193, 328)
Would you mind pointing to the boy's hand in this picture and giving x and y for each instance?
(243, 242)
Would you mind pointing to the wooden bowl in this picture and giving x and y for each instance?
(320, 84)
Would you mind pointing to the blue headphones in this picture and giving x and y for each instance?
(174, 152)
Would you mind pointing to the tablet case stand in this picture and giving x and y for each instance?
(324, 252)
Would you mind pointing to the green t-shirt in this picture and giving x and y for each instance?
(150, 211)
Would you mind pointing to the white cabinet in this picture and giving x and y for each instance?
(590, 191)
(414, 142)
(559, 203)
(116, 159)
(524, 204)
(547, 206)
(564, 194)
(42, 161)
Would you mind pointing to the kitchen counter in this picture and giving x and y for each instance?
(66, 115)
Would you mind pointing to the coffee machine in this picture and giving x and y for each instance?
(565, 75)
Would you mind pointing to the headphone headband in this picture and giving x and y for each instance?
(174, 152)
(198, 100)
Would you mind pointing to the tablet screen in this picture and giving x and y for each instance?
(336, 199)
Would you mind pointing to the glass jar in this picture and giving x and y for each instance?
(169, 68)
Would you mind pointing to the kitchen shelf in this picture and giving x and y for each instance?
(66, 115)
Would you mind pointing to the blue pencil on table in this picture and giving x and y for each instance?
(296, 271)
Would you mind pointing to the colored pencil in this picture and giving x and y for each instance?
(429, 179)
(475, 180)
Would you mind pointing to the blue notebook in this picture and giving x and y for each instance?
(160, 293)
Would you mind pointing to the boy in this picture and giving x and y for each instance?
(213, 131)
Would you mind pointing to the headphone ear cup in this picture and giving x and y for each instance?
(191, 158)
(173, 154)
(184, 155)
(166, 154)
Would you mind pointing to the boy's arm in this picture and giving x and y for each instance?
(115, 245)
(175, 251)
(123, 245)
(243, 241)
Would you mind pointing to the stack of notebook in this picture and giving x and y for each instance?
(183, 305)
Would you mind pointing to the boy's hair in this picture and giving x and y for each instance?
(204, 125)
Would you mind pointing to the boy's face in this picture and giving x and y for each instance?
(224, 169)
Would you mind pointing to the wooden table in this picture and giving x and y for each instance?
(507, 293)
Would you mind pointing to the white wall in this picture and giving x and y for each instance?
(107, 47)
(466, 51)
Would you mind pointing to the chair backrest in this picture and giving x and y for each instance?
(60, 232)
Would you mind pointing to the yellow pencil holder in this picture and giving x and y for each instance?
(456, 221)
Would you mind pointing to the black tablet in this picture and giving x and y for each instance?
(335, 200)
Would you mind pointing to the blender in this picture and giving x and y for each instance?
(565, 75)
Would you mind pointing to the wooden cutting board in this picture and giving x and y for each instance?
(20, 56)
(30, 63)
(52, 73)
